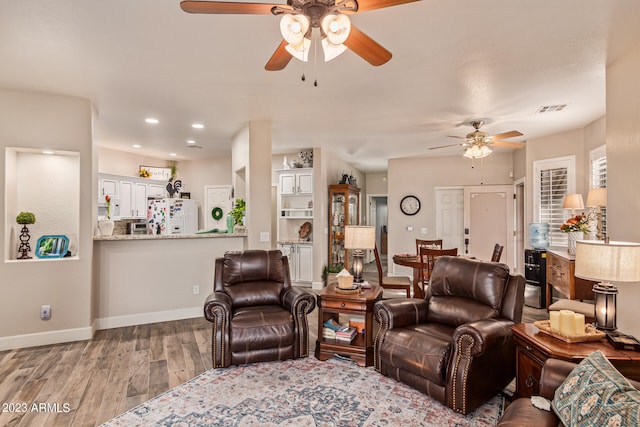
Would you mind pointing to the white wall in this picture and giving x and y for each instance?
(623, 173)
(420, 176)
(30, 120)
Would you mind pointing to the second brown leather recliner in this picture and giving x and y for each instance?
(455, 345)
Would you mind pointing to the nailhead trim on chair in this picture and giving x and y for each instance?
(303, 339)
(465, 374)
(383, 321)
(218, 315)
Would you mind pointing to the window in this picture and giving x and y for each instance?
(553, 179)
(598, 177)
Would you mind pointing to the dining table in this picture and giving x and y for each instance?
(413, 261)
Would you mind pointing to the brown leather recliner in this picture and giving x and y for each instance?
(257, 316)
(456, 344)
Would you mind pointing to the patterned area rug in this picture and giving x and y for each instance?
(303, 392)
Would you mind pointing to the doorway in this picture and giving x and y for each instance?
(377, 217)
(450, 217)
(489, 219)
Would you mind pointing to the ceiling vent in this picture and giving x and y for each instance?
(551, 108)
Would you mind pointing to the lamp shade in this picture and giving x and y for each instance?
(608, 262)
(359, 237)
(573, 201)
(597, 197)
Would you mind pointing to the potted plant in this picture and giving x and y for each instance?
(576, 227)
(238, 211)
(25, 218)
(329, 273)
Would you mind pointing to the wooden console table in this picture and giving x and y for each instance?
(561, 277)
(534, 347)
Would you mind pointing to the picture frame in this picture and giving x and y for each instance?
(155, 172)
(52, 246)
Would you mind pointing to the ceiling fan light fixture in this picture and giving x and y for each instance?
(294, 28)
(336, 28)
(477, 151)
(300, 51)
(331, 50)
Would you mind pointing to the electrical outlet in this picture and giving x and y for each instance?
(264, 236)
(196, 289)
(45, 312)
(423, 230)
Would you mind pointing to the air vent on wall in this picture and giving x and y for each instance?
(551, 108)
(193, 146)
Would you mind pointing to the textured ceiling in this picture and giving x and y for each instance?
(453, 61)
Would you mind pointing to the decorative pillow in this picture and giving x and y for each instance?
(596, 394)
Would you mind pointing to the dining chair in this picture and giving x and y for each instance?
(497, 252)
(428, 257)
(391, 282)
(431, 244)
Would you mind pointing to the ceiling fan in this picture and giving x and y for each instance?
(477, 143)
(300, 17)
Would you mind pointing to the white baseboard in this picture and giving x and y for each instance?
(144, 318)
(45, 338)
(317, 286)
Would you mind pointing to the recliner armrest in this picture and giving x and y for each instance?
(400, 312)
(217, 300)
(486, 333)
(297, 298)
(554, 372)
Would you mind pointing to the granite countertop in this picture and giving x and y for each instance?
(120, 237)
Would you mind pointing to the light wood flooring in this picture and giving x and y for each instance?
(88, 382)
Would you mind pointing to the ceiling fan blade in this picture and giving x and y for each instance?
(279, 59)
(454, 136)
(505, 135)
(445, 146)
(224, 7)
(367, 48)
(508, 144)
(365, 5)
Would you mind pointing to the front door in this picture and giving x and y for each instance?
(450, 218)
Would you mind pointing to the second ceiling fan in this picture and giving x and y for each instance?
(477, 143)
(301, 17)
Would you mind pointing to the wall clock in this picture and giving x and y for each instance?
(410, 205)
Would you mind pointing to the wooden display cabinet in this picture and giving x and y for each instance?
(344, 209)
(561, 277)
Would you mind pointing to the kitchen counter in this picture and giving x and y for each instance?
(124, 237)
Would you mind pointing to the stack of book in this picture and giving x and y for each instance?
(346, 333)
(334, 330)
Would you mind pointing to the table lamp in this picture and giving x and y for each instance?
(606, 261)
(597, 198)
(573, 202)
(358, 238)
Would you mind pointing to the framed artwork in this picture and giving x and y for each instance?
(52, 246)
(155, 172)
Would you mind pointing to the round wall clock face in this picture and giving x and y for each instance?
(410, 205)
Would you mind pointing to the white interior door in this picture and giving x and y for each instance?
(450, 217)
(489, 219)
(216, 196)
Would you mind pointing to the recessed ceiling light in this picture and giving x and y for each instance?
(173, 154)
(197, 126)
(190, 141)
(151, 120)
(136, 145)
(47, 152)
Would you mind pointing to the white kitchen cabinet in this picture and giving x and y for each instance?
(296, 183)
(108, 186)
(300, 261)
(133, 199)
(156, 190)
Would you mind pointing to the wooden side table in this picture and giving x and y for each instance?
(330, 305)
(534, 347)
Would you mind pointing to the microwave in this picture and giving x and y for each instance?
(137, 228)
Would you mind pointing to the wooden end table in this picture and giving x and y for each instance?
(534, 347)
(330, 305)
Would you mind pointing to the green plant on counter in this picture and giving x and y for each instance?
(238, 211)
(26, 218)
(337, 268)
